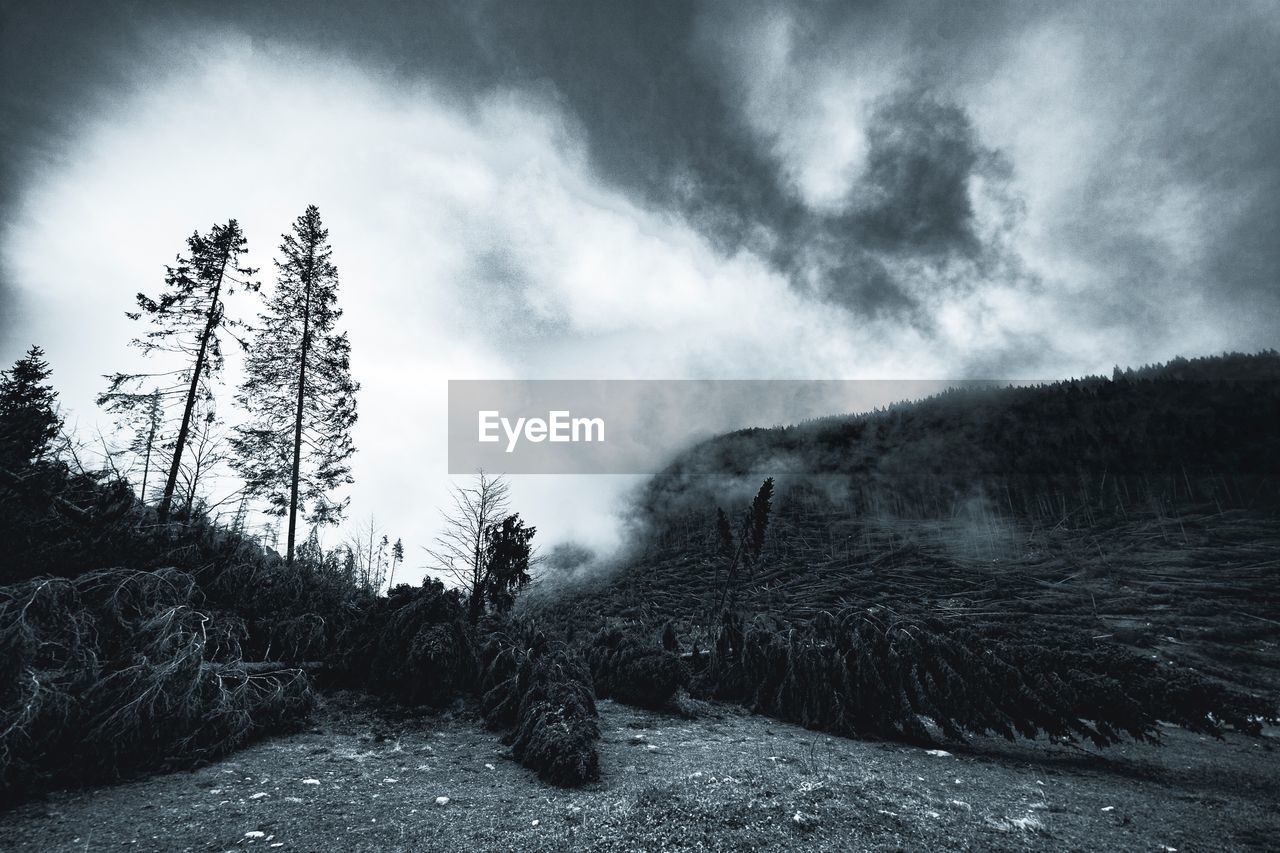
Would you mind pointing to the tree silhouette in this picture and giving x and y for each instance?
(397, 557)
(29, 419)
(187, 320)
(146, 421)
(472, 540)
(298, 390)
(507, 556)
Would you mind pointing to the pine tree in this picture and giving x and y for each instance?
(743, 557)
(29, 420)
(298, 388)
(508, 552)
(397, 557)
(188, 319)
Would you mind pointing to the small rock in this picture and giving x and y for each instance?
(311, 781)
(535, 823)
(940, 753)
(442, 801)
(488, 767)
(254, 833)
(1108, 808)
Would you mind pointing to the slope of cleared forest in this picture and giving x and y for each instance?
(1141, 509)
(1197, 588)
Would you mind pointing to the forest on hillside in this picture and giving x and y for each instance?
(1199, 430)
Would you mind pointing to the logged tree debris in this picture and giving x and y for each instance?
(634, 669)
(874, 672)
(542, 694)
(119, 671)
(414, 645)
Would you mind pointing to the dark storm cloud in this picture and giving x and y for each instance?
(912, 201)
(657, 121)
(922, 154)
(1190, 88)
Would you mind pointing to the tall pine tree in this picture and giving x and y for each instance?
(29, 419)
(188, 319)
(298, 389)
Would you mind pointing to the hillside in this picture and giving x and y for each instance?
(1139, 509)
(1193, 429)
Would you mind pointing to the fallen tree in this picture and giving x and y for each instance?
(120, 671)
(876, 672)
(541, 694)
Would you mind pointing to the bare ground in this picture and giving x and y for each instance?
(367, 780)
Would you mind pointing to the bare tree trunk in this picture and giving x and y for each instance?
(297, 421)
(146, 465)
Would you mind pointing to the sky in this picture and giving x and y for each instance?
(662, 190)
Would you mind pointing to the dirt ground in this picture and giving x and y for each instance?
(366, 780)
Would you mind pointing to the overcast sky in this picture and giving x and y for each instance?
(651, 189)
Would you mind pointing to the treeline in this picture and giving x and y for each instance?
(1198, 431)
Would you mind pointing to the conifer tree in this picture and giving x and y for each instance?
(187, 319)
(298, 389)
(29, 420)
(746, 553)
(397, 557)
(508, 553)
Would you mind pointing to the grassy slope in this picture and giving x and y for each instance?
(735, 782)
